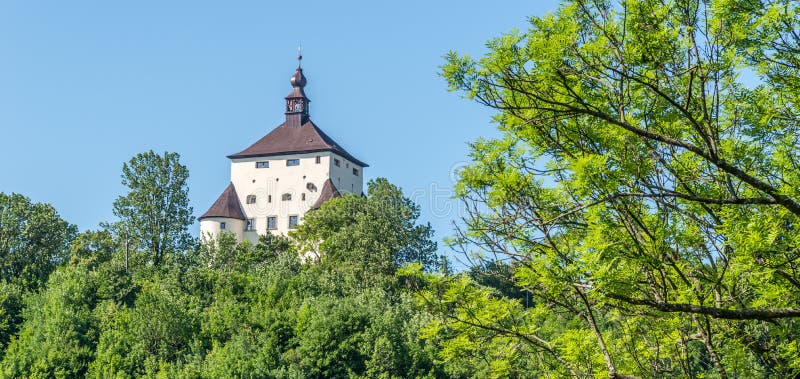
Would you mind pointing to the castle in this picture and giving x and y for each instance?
(293, 169)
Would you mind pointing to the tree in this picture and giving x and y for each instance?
(378, 230)
(161, 328)
(57, 338)
(228, 309)
(223, 252)
(646, 183)
(11, 305)
(34, 239)
(155, 214)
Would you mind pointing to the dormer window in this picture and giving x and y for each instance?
(293, 162)
(251, 199)
(264, 164)
(286, 197)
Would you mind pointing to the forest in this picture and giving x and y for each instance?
(636, 217)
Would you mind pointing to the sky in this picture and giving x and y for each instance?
(86, 85)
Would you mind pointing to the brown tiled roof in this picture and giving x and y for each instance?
(328, 192)
(227, 205)
(286, 140)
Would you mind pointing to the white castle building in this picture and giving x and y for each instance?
(291, 170)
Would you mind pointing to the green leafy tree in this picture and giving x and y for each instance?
(11, 305)
(57, 338)
(378, 230)
(62, 321)
(646, 186)
(227, 309)
(225, 252)
(369, 334)
(159, 329)
(155, 214)
(34, 239)
(500, 276)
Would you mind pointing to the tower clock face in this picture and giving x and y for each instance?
(295, 105)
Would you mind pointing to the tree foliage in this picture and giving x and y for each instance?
(645, 188)
(224, 309)
(155, 213)
(34, 239)
(378, 230)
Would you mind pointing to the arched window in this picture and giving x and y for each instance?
(286, 197)
(251, 199)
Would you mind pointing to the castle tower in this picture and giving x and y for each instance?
(293, 169)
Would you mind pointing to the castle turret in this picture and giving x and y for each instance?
(224, 215)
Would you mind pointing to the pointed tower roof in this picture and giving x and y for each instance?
(328, 192)
(227, 205)
(298, 134)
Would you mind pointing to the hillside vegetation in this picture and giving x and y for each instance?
(637, 217)
(110, 307)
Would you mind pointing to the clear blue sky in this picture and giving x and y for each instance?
(85, 85)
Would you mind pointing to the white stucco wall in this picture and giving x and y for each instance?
(279, 179)
(342, 176)
(210, 227)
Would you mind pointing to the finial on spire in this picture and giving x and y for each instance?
(299, 56)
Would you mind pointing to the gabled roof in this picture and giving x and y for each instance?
(287, 140)
(227, 205)
(328, 192)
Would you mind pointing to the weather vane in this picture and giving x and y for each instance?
(299, 55)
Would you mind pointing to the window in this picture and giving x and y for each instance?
(222, 226)
(318, 159)
(293, 162)
(269, 198)
(251, 199)
(347, 165)
(311, 187)
(337, 162)
(251, 224)
(272, 223)
(303, 196)
(286, 197)
(264, 164)
(355, 171)
(292, 222)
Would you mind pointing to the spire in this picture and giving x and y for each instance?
(296, 101)
(299, 57)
